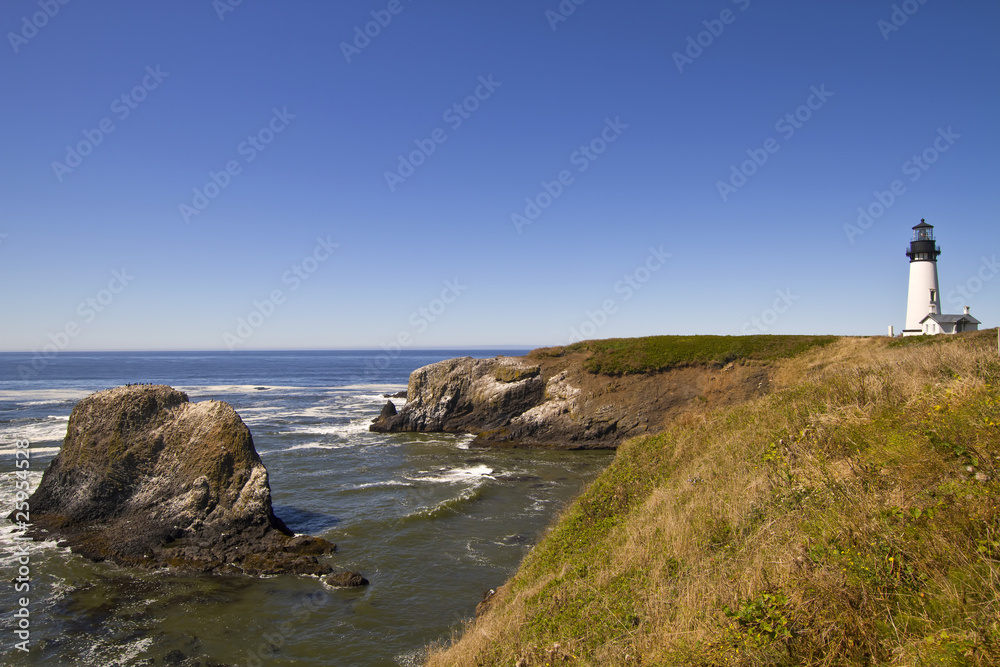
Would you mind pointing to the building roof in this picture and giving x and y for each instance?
(923, 225)
(950, 319)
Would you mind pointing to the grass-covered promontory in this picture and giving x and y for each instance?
(849, 517)
(627, 356)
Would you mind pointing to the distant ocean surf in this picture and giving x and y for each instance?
(432, 523)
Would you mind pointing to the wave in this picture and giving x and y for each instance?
(44, 396)
(315, 445)
(377, 485)
(35, 451)
(354, 427)
(51, 429)
(455, 475)
(448, 506)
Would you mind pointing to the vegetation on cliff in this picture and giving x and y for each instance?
(628, 356)
(594, 394)
(849, 517)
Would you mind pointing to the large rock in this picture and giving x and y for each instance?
(550, 400)
(466, 395)
(146, 478)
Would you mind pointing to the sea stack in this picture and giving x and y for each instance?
(146, 478)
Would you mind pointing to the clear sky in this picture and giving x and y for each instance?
(261, 175)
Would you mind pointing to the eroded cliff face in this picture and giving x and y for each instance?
(551, 401)
(146, 478)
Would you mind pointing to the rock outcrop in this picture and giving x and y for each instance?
(466, 395)
(552, 401)
(346, 580)
(146, 478)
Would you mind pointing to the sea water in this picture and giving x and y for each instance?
(432, 523)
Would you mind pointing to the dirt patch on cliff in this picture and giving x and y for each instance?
(613, 409)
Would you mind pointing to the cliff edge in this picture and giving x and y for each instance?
(587, 396)
(146, 478)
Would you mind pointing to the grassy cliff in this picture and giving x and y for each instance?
(629, 356)
(850, 517)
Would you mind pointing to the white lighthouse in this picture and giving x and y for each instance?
(923, 304)
(924, 295)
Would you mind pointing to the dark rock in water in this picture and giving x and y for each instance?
(346, 580)
(388, 410)
(398, 394)
(146, 478)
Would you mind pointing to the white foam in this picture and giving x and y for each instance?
(44, 396)
(11, 541)
(114, 653)
(316, 445)
(342, 430)
(377, 485)
(321, 412)
(35, 451)
(456, 475)
(53, 429)
(239, 389)
(382, 388)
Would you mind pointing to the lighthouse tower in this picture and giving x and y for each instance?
(924, 295)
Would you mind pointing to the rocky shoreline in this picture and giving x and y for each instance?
(549, 400)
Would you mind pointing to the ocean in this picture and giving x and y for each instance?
(431, 522)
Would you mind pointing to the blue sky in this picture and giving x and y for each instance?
(250, 192)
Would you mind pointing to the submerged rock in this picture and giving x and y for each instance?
(146, 478)
(346, 580)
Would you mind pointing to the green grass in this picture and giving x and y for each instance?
(625, 356)
(850, 518)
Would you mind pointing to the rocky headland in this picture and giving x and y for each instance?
(549, 398)
(146, 478)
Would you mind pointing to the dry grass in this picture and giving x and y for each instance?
(849, 518)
